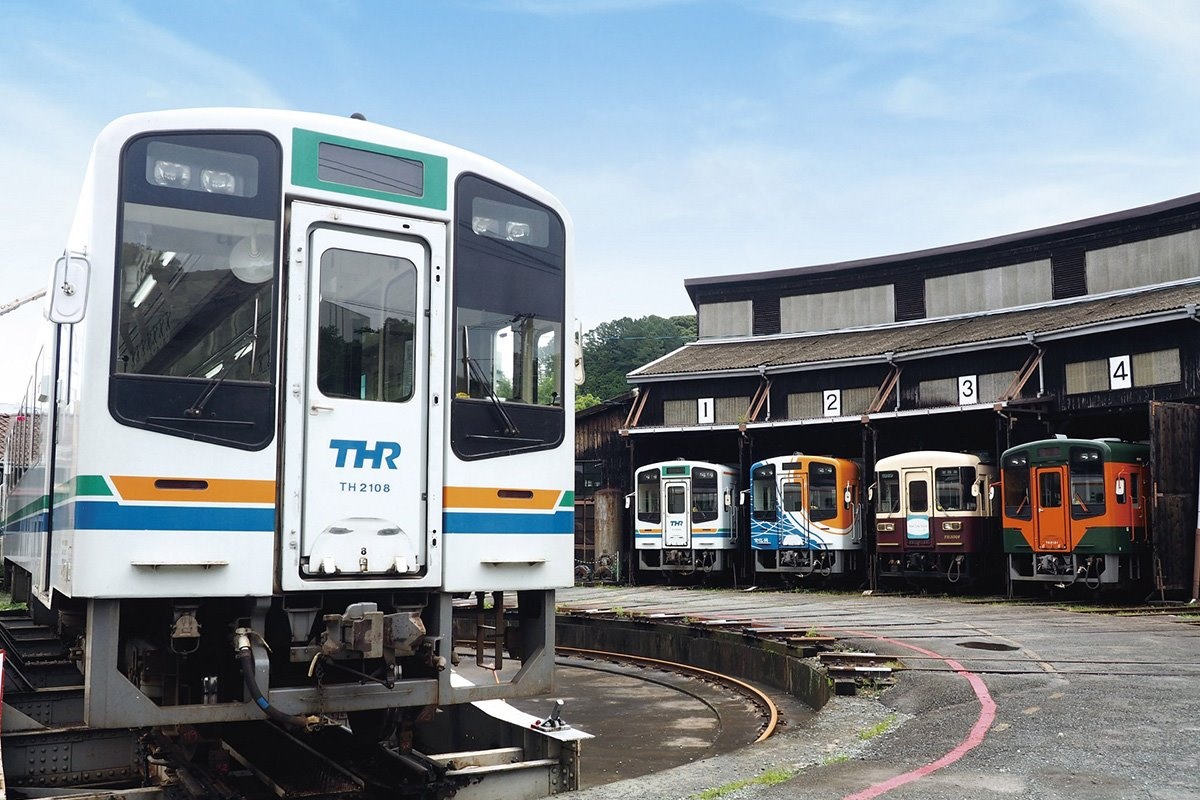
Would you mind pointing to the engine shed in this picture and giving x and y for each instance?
(1084, 329)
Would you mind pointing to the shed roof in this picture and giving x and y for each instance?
(922, 338)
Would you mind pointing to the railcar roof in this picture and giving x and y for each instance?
(934, 458)
(1115, 449)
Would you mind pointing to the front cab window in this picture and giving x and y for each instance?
(509, 305)
(193, 349)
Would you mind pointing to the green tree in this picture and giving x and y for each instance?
(613, 349)
(583, 401)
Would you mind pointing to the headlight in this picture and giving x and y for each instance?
(169, 173)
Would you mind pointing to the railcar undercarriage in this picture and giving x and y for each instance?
(681, 560)
(948, 567)
(207, 701)
(823, 563)
(1074, 569)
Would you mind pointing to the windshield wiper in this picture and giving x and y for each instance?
(251, 333)
(197, 408)
(510, 428)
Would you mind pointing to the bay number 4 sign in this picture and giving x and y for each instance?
(1120, 375)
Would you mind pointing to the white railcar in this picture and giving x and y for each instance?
(686, 519)
(303, 383)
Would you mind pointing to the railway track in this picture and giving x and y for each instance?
(761, 700)
(48, 748)
(249, 761)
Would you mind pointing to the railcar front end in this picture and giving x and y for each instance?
(805, 517)
(934, 517)
(685, 520)
(302, 390)
(1076, 513)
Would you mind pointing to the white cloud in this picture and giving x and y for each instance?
(914, 96)
(66, 73)
(581, 7)
(1165, 32)
(898, 24)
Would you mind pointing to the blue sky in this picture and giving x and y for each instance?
(687, 137)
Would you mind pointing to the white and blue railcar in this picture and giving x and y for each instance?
(686, 517)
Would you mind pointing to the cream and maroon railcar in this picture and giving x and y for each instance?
(934, 517)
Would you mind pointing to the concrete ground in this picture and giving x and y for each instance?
(994, 701)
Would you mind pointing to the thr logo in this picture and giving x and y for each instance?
(383, 454)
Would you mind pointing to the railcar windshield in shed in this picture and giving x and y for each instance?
(1087, 482)
(887, 495)
(762, 495)
(705, 497)
(1017, 503)
(953, 486)
(822, 491)
(649, 497)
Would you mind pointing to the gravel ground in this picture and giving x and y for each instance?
(831, 736)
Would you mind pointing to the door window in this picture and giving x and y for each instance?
(1049, 489)
(918, 497)
(793, 498)
(365, 347)
(676, 501)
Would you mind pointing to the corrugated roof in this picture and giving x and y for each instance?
(923, 336)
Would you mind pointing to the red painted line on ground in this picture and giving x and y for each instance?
(987, 715)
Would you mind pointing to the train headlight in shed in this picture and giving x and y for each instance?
(952, 526)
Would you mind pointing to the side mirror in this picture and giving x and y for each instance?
(580, 373)
(742, 497)
(68, 292)
(628, 500)
(871, 492)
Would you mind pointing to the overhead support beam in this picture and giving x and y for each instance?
(1021, 378)
(885, 391)
(635, 410)
(759, 400)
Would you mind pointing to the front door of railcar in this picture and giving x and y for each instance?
(1050, 520)
(677, 517)
(358, 372)
(918, 517)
